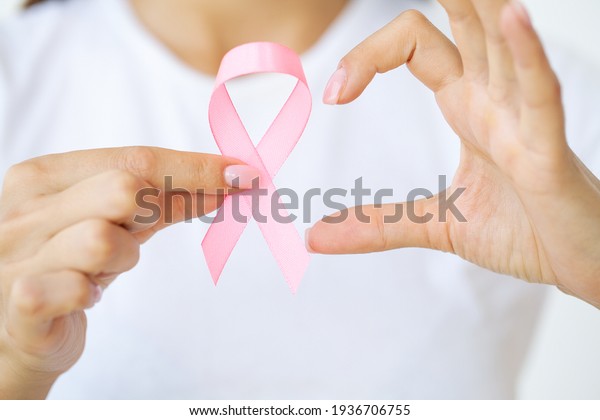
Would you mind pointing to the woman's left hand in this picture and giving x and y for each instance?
(532, 208)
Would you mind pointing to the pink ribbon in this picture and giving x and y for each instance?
(233, 140)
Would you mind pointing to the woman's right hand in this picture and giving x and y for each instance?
(67, 230)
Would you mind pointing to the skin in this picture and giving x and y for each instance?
(200, 31)
(68, 230)
(58, 240)
(533, 208)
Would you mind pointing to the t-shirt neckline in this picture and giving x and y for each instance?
(123, 16)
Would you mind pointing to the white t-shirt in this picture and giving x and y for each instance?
(403, 324)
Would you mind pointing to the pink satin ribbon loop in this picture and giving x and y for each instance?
(268, 156)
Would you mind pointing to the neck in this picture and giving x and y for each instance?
(200, 32)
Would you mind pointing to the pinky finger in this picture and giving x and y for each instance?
(35, 302)
(542, 111)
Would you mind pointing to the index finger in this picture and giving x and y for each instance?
(157, 166)
(409, 39)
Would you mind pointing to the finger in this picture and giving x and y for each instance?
(501, 76)
(542, 110)
(379, 228)
(180, 206)
(124, 199)
(175, 207)
(35, 301)
(410, 39)
(469, 36)
(94, 247)
(116, 196)
(157, 166)
(112, 196)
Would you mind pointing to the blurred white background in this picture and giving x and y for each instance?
(565, 360)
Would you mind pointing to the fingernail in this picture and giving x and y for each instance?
(335, 86)
(241, 176)
(307, 241)
(521, 12)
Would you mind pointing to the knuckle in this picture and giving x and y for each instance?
(18, 176)
(8, 218)
(357, 57)
(140, 160)
(26, 298)
(80, 290)
(99, 244)
(203, 169)
(124, 182)
(550, 96)
(9, 230)
(124, 187)
(412, 17)
(133, 258)
(555, 88)
(16, 212)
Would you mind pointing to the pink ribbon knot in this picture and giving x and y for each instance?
(268, 156)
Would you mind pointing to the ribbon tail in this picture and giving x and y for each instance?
(284, 242)
(293, 258)
(222, 236)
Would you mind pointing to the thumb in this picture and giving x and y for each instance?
(376, 228)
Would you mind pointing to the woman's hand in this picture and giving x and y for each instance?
(532, 208)
(68, 228)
